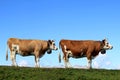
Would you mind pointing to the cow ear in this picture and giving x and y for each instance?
(103, 40)
(49, 41)
(53, 40)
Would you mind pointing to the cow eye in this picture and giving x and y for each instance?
(107, 44)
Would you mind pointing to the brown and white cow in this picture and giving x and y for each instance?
(25, 47)
(82, 48)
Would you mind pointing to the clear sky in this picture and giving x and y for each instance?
(58, 19)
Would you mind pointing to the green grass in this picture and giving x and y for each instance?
(25, 73)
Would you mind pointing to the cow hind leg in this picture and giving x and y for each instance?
(13, 58)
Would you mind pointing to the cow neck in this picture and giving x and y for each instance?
(101, 45)
(48, 45)
(48, 48)
(45, 45)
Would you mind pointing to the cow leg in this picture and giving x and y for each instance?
(89, 58)
(89, 63)
(66, 62)
(13, 58)
(69, 65)
(68, 53)
(37, 59)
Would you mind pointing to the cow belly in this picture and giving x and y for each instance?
(79, 55)
(26, 53)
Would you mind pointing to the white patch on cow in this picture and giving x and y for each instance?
(65, 47)
(15, 47)
(68, 52)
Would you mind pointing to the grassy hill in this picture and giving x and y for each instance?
(25, 73)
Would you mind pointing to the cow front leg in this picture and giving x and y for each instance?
(66, 62)
(89, 58)
(69, 65)
(37, 59)
(89, 64)
(13, 58)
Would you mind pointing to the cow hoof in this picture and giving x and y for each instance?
(70, 67)
(89, 68)
(37, 66)
(15, 65)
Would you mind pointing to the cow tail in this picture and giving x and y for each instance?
(7, 53)
(59, 56)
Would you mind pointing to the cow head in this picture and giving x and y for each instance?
(52, 46)
(106, 46)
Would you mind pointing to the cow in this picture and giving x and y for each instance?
(82, 48)
(27, 47)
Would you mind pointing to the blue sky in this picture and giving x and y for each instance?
(58, 19)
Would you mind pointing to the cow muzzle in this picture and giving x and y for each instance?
(55, 48)
(108, 47)
(111, 47)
